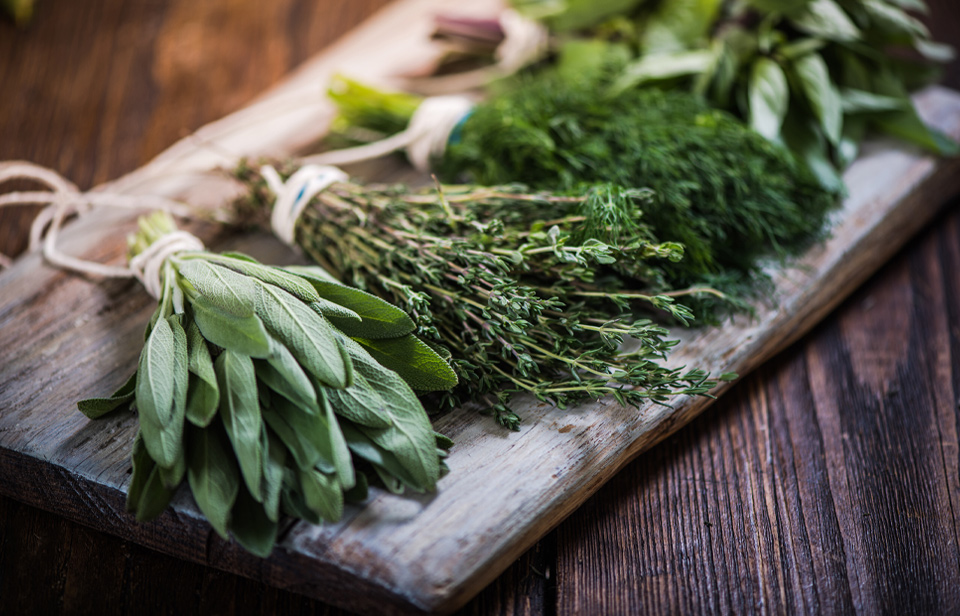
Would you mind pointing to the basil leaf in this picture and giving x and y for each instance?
(213, 475)
(222, 288)
(769, 97)
(95, 408)
(241, 334)
(240, 409)
(321, 494)
(808, 145)
(162, 434)
(203, 398)
(251, 527)
(661, 66)
(825, 19)
(678, 25)
(860, 101)
(308, 336)
(414, 361)
(274, 457)
(281, 373)
(853, 131)
(814, 78)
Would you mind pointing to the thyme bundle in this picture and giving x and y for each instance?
(255, 385)
(529, 292)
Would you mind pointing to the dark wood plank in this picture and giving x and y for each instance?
(824, 483)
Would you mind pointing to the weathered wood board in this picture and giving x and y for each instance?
(63, 338)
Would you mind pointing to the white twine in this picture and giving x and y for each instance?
(296, 193)
(425, 137)
(525, 41)
(147, 266)
(64, 199)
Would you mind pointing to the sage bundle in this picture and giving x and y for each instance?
(524, 292)
(259, 386)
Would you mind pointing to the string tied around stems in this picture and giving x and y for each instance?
(425, 137)
(294, 194)
(63, 199)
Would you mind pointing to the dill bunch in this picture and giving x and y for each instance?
(525, 292)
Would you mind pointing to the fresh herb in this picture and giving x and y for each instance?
(726, 194)
(530, 293)
(259, 386)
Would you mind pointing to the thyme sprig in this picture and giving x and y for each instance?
(530, 292)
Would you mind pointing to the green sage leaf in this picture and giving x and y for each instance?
(95, 408)
(281, 373)
(242, 334)
(250, 525)
(203, 398)
(274, 458)
(240, 409)
(308, 336)
(162, 434)
(414, 361)
(213, 475)
(275, 276)
(220, 287)
(322, 494)
(306, 435)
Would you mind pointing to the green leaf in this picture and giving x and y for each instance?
(365, 447)
(811, 72)
(241, 334)
(414, 361)
(308, 336)
(213, 475)
(935, 52)
(894, 21)
(825, 19)
(678, 25)
(222, 288)
(808, 145)
(291, 498)
(658, 67)
(276, 276)
(339, 451)
(769, 98)
(359, 492)
(203, 398)
(379, 319)
(251, 527)
(162, 433)
(146, 496)
(95, 408)
(854, 130)
(306, 435)
(172, 475)
(274, 458)
(861, 101)
(281, 373)
(240, 409)
(322, 494)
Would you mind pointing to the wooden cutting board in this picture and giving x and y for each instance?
(63, 337)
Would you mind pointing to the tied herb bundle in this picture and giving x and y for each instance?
(725, 193)
(529, 293)
(260, 386)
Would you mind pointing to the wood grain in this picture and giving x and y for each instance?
(598, 582)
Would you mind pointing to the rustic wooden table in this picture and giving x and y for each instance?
(828, 481)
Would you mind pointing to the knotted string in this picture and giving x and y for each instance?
(64, 199)
(425, 137)
(294, 194)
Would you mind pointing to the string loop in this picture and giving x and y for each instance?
(294, 194)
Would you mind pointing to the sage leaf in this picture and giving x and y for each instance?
(359, 492)
(95, 408)
(281, 373)
(240, 409)
(306, 435)
(146, 496)
(414, 361)
(321, 494)
(213, 475)
(275, 276)
(814, 78)
(769, 98)
(162, 434)
(172, 475)
(203, 397)
(220, 287)
(251, 527)
(291, 498)
(241, 334)
(308, 336)
(339, 451)
(274, 457)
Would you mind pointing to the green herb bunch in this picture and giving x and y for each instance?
(728, 195)
(258, 385)
(530, 293)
